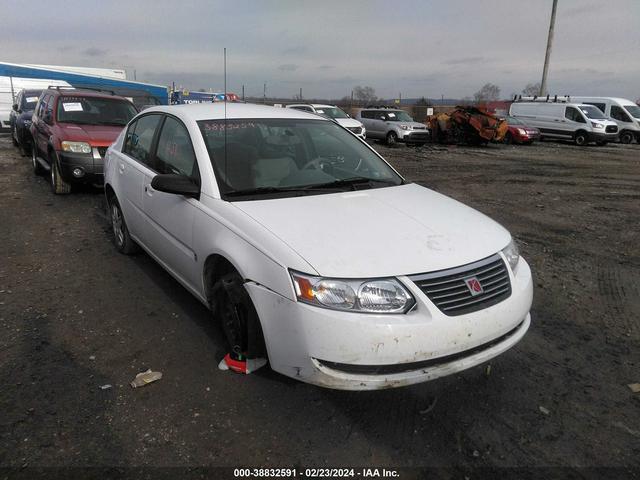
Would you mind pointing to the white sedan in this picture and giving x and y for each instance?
(311, 250)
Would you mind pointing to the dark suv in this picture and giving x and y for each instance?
(20, 118)
(71, 131)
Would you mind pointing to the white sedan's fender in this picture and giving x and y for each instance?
(221, 229)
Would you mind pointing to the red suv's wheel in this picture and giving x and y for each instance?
(58, 184)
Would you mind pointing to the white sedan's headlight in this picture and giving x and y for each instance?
(76, 147)
(512, 254)
(384, 295)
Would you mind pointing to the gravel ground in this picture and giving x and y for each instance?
(77, 316)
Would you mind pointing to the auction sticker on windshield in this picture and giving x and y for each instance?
(72, 107)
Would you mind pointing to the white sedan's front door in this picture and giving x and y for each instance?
(169, 216)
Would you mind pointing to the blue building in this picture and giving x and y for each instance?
(15, 77)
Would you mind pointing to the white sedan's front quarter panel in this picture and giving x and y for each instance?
(260, 257)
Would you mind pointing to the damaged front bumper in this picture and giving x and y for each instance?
(356, 351)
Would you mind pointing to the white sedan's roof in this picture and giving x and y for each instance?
(314, 105)
(216, 111)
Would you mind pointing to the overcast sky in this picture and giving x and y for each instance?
(416, 47)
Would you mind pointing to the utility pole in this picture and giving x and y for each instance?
(300, 93)
(243, 93)
(264, 93)
(13, 94)
(552, 23)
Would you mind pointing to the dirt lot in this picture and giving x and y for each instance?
(75, 316)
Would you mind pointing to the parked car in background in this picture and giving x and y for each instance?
(393, 126)
(20, 119)
(624, 112)
(71, 131)
(566, 121)
(334, 113)
(311, 249)
(520, 132)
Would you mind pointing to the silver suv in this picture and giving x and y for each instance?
(393, 125)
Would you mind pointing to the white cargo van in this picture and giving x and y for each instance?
(624, 112)
(566, 121)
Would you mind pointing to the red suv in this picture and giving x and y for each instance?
(71, 130)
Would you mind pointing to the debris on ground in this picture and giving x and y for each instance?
(544, 410)
(635, 387)
(143, 378)
(106, 387)
(431, 406)
(467, 125)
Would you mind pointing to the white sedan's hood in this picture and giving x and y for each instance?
(348, 122)
(380, 232)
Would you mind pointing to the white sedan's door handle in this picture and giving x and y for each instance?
(121, 167)
(148, 189)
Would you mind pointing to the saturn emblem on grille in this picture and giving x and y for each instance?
(473, 284)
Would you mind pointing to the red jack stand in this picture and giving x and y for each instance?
(242, 364)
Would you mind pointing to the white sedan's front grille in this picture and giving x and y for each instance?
(468, 288)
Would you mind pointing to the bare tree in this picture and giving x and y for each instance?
(488, 92)
(531, 89)
(364, 94)
(424, 102)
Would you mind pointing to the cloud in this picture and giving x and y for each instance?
(587, 8)
(441, 48)
(288, 67)
(94, 52)
(299, 50)
(465, 61)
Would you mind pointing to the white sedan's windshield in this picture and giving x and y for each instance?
(284, 157)
(331, 112)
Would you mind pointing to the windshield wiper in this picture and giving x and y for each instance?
(267, 190)
(318, 187)
(351, 182)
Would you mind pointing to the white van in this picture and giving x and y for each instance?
(624, 112)
(569, 121)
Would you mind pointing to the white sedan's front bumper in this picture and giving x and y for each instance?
(342, 349)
